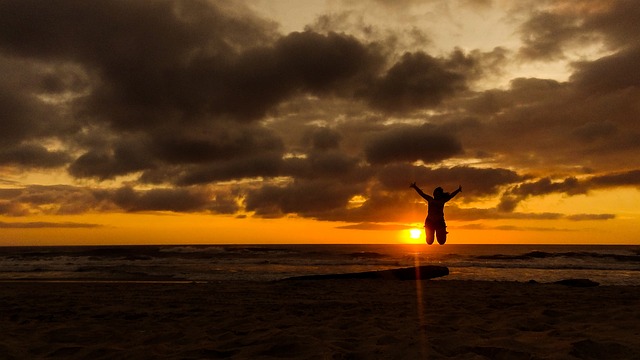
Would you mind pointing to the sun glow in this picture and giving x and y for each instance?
(415, 233)
(412, 236)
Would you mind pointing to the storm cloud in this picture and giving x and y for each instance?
(199, 106)
(412, 144)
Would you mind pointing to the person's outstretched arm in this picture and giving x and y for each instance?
(459, 189)
(420, 192)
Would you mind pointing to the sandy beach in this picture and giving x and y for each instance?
(318, 319)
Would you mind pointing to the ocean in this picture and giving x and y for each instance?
(608, 265)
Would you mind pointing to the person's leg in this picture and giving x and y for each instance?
(429, 234)
(442, 236)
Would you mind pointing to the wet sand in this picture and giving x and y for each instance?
(318, 319)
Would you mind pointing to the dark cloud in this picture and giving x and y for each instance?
(627, 178)
(122, 159)
(404, 143)
(589, 217)
(32, 155)
(25, 117)
(416, 81)
(215, 144)
(618, 21)
(379, 207)
(54, 199)
(390, 200)
(65, 199)
(143, 94)
(13, 208)
(569, 186)
(564, 124)
(610, 73)
(201, 154)
(305, 198)
(322, 138)
(512, 197)
(544, 186)
(328, 165)
(593, 131)
(268, 164)
(142, 68)
(549, 33)
(178, 200)
(161, 82)
(17, 111)
(322, 198)
(319, 62)
(545, 34)
(525, 92)
(476, 182)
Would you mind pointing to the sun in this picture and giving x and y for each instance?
(412, 235)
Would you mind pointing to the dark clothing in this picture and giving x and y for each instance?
(434, 223)
(435, 214)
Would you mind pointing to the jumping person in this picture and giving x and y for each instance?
(435, 215)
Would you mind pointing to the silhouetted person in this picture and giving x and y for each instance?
(435, 215)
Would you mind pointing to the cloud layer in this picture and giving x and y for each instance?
(206, 107)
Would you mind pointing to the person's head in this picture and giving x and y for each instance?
(438, 192)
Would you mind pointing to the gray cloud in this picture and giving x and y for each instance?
(416, 81)
(608, 74)
(322, 138)
(563, 124)
(411, 144)
(518, 193)
(26, 120)
(120, 159)
(32, 155)
(326, 164)
(379, 207)
(547, 34)
(55, 199)
(306, 198)
(569, 186)
(161, 199)
(65, 199)
(589, 217)
(625, 178)
(269, 164)
(476, 182)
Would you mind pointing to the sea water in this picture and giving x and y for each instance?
(608, 265)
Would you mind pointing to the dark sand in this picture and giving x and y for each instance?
(318, 319)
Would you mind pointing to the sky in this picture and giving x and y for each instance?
(282, 121)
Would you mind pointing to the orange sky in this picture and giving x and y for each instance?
(305, 122)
